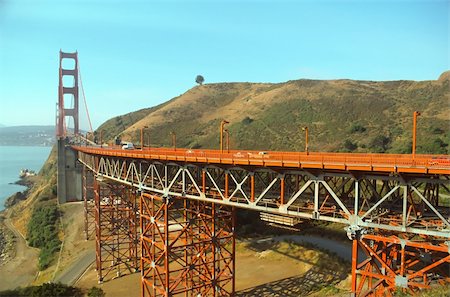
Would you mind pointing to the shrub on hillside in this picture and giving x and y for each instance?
(96, 292)
(380, 144)
(437, 146)
(350, 146)
(44, 290)
(42, 233)
(357, 128)
(247, 121)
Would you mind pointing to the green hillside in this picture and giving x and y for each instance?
(342, 115)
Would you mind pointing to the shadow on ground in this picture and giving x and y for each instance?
(313, 280)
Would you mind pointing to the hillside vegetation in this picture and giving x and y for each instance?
(342, 115)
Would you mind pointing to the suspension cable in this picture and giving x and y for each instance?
(84, 98)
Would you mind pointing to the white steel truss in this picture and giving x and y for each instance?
(397, 203)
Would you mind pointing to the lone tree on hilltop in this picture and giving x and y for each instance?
(199, 79)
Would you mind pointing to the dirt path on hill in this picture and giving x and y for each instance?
(22, 269)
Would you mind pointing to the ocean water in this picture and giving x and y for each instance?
(12, 160)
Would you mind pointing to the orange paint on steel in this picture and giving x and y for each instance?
(228, 140)
(174, 140)
(415, 115)
(388, 163)
(282, 191)
(252, 188)
(354, 264)
(306, 139)
(203, 181)
(226, 184)
(222, 124)
(142, 137)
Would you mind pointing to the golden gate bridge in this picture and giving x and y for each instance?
(170, 212)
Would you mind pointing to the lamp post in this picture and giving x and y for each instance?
(222, 124)
(306, 139)
(174, 140)
(101, 138)
(228, 139)
(415, 115)
(142, 137)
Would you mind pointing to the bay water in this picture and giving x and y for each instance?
(12, 160)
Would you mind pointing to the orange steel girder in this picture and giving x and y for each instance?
(391, 264)
(116, 219)
(187, 247)
(364, 201)
(88, 200)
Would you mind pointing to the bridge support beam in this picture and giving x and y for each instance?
(116, 219)
(397, 264)
(88, 200)
(187, 247)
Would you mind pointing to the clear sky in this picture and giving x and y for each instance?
(136, 54)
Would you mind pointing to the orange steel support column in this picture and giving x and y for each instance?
(187, 247)
(98, 231)
(354, 263)
(227, 175)
(252, 188)
(222, 124)
(89, 199)
(282, 191)
(395, 263)
(174, 140)
(203, 181)
(116, 230)
(415, 115)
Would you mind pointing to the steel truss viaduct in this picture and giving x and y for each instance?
(182, 205)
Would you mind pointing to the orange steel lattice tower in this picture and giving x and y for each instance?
(116, 218)
(187, 246)
(65, 88)
(397, 263)
(88, 199)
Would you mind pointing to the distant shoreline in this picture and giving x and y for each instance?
(13, 199)
(32, 145)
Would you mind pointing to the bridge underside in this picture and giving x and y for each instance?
(400, 222)
(187, 247)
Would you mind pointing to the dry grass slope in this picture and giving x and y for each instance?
(342, 115)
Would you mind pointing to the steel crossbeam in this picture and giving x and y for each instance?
(392, 263)
(116, 226)
(88, 200)
(411, 204)
(408, 204)
(187, 247)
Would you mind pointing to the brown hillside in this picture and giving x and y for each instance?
(342, 115)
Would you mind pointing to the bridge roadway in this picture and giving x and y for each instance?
(386, 163)
(393, 192)
(384, 200)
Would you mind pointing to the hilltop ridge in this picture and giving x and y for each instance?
(342, 115)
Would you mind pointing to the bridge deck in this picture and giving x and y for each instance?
(388, 163)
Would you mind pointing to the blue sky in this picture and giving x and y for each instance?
(136, 54)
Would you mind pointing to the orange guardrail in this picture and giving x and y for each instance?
(422, 164)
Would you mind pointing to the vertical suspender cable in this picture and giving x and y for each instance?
(84, 98)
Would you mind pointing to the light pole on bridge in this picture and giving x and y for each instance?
(222, 124)
(142, 137)
(227, 139)
(415, 115)
(174, 140)
(306, 139)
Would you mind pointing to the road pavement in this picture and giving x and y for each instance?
(74, 272)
